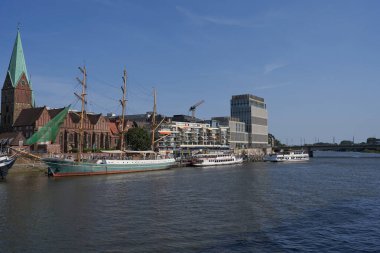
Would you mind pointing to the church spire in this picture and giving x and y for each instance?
(17, 65)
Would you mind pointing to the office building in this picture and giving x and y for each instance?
(252, 111)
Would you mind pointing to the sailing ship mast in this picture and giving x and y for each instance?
(82, 97)
(154, 124)
(123, 102)
(154, 118)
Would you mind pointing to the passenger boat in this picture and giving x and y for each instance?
(290, 156)
(213, 159)
(6, 163)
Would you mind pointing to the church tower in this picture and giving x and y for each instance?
(16, 93)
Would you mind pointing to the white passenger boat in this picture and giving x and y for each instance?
(215, 159)
(289, 156)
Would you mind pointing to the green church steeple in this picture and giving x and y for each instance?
(17, 65)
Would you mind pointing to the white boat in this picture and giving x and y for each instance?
(215, 159)
(6, 162)
(289, 156)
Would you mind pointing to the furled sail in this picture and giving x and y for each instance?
(49, 131)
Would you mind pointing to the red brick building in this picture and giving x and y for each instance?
(19, 114)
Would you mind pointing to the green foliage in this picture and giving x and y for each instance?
(273, 141)
(138, 139)
(346, 143)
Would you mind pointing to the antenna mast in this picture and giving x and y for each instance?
(123, 102)
(82, 97)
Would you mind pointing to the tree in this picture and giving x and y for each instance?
(138, 139)
(346, 143)
(273, 141)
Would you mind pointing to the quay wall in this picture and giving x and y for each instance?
(253, 154)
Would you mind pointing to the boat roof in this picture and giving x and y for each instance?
(128, 152)
(112, 151)
(140, 152)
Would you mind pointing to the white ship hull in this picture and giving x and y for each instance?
(215, 160)
(292, 156)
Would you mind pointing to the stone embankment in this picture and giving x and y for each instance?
(253, 154)
(24, 164)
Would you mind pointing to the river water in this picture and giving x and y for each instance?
(327, 204)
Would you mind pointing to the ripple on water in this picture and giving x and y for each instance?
(328, 204)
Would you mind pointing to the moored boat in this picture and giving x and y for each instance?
(6, 163)
(114, 162)
(289, 156)
(214, 159)
(148, 161)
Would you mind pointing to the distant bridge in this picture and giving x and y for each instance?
(332, 147)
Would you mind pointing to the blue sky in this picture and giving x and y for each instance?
(316, 63)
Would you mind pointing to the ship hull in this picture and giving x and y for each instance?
(207, 163)
(64, 168)
(215, 159)
(6, 164)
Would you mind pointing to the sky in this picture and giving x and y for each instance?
(316, 63)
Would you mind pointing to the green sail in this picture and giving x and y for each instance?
(49, 131)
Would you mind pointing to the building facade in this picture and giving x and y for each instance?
(97, 130)
(252, 111)
(237, 135)
(175, 135)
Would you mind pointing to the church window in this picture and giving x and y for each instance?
(22, 82)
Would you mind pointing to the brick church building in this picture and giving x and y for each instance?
(19, 114)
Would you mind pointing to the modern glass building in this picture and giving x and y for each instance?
(252, 111)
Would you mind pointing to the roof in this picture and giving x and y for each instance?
(248, 96)
(28, 116)
(17, 65)
(54, 112)
(113, 128)
(185, 118)
(139, 152)
(11, 138)
(75, 117)
(128, 152)
(93, 118)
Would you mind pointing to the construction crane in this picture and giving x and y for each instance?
(193, 107)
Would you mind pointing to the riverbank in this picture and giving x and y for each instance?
(24, 165)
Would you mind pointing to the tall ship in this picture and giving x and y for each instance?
(121, 163)
(289, 156)
(114, 161)
(213, 159)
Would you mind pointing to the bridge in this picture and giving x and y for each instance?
(310, 148)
